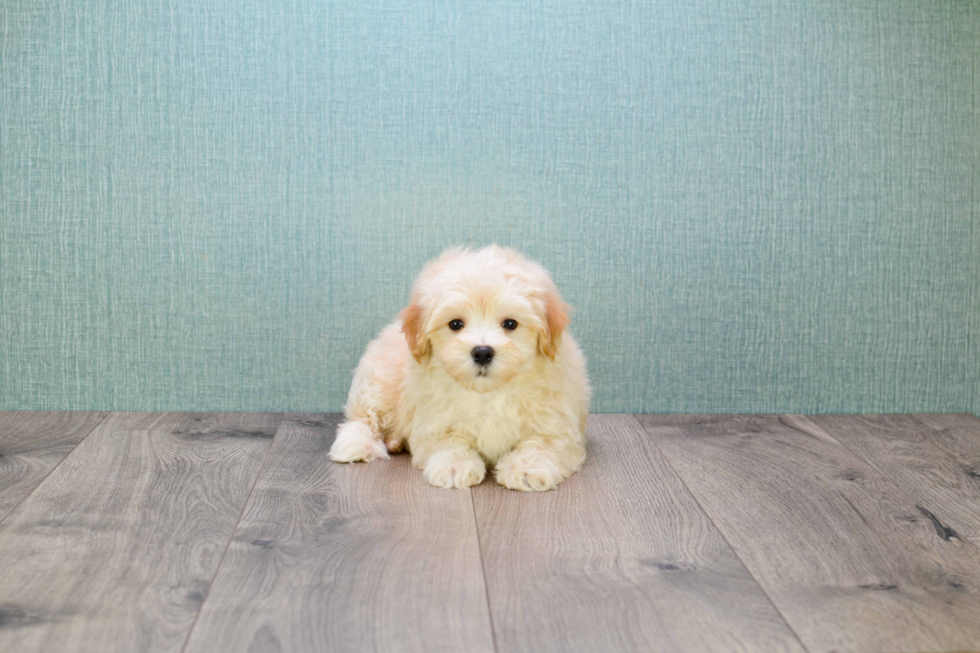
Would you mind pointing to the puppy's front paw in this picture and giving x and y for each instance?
(355, 441)
(528, 471)
(449, 469)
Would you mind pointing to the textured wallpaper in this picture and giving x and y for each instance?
(753, 205)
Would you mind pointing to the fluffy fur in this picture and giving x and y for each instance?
(418, 387)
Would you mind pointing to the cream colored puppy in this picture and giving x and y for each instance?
(477, 371)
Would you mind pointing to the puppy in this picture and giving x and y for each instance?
(478, 371)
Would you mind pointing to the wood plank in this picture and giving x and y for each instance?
(842, 551)
(116, 549)
(32, 444)
(619, 558)
(958, 434)
(935, 459)
(331, 557)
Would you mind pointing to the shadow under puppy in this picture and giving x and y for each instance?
(477, 371)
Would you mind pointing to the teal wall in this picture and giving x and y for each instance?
(753, 205)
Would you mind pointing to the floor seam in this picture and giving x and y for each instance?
(722, 534)
(221, 561)
(483, 571)
(51, 471)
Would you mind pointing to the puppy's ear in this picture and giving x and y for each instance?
(414, 328)
(555, 321)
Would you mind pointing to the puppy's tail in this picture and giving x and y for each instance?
(356, 441)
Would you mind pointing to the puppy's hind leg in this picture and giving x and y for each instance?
(368, 433)
(359, 438)
(356, 442)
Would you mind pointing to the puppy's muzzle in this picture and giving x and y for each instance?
(482, 355)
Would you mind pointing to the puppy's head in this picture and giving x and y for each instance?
(484, 316)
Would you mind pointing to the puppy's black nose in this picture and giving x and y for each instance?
(482, 355)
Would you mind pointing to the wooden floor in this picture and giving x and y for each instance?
(233, 532)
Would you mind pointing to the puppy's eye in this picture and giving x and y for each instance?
(509, 324)
(456, 325)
